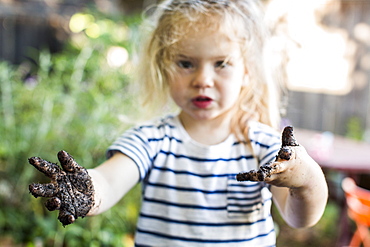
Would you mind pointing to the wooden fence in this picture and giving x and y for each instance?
(33, 24)
(348, 113)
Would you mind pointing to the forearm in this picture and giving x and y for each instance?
(111, 181)
(304, 206)
(103, 198)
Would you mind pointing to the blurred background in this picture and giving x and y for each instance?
(65, 84)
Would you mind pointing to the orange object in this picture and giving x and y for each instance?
(358, 203)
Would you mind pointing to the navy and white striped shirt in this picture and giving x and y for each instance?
(190, 194)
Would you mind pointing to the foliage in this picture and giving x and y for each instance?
(355, 130)
(73, 101)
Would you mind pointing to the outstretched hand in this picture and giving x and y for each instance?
(291, 167)
(71, 189)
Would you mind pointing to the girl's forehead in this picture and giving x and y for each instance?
(182, 32)
(211, 44)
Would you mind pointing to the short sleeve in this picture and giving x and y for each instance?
(134, 144)
(265, 142)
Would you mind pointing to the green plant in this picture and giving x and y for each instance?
(355, 129)
(72, 101)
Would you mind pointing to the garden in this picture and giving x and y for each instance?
(79, 101)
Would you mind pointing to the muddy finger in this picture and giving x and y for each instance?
(248, 176)
(66, 218)
(262, 174)
(43, 190)
(53, 204)
(67, 162)
(288, 138)
(49, 169)
(284, 153)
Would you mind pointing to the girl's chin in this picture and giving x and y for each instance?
(199, 116)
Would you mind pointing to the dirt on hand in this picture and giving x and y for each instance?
(71, 189)
(285, 152)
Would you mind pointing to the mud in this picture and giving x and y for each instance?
(285, 152)
(70, 188)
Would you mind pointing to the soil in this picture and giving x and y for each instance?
(70, 189)
(285, 152)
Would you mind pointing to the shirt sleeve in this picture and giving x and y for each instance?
(134, 144)
(265, 142)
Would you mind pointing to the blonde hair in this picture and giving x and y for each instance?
(242, 19)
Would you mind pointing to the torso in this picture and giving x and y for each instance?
(191, 197)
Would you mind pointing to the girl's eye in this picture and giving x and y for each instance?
(185, 64)
(221, 64)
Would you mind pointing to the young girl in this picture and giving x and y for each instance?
(208, 57)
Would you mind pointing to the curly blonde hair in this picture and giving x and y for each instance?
(242, 20)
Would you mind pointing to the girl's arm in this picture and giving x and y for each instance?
(302, 202)
(112, 180)
(299, 186)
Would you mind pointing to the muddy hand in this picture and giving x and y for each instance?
(284, 154)
(70, 189)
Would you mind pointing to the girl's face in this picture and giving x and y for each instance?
(209, 74)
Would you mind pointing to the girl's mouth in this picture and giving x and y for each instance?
(201, 101)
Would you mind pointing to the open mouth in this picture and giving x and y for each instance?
(202, 101)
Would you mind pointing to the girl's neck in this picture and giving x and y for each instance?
(208, 132)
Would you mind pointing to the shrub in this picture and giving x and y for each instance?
(74, 101)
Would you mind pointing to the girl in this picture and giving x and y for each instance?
(208, 57)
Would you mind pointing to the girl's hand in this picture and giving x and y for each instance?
(292, 168)
(70, 189)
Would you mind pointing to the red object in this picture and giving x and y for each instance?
(358, 203)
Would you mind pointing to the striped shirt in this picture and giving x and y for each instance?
(190, 194)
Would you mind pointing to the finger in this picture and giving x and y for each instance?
(247, 176)
(53, 204)
(273, 170)
(284, 153)
(65, 217)
(263, 174)
(275, 167)
(256, 176)
(67, 162)
(288, 138)
(67, 211)
(44, 166)
(43, 190)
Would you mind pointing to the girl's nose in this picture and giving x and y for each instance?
(203, 78)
